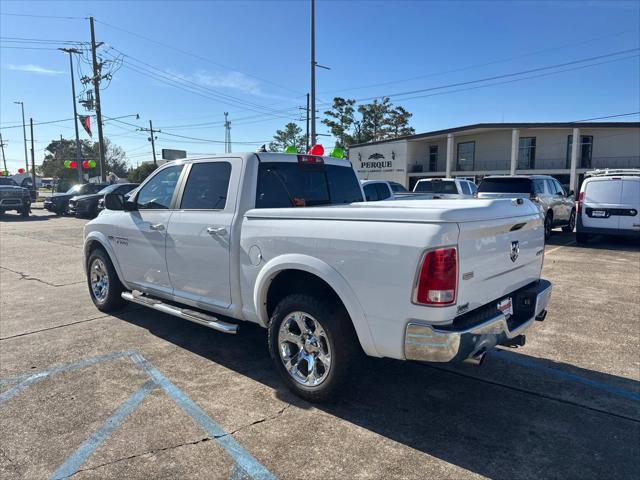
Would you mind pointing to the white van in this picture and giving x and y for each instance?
(609, 203)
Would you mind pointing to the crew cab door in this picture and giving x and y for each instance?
(140, 236)
(199, 233)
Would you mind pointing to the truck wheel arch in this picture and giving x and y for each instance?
(319, 273)
(98, 240)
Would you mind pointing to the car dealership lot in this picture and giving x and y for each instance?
(144, 395)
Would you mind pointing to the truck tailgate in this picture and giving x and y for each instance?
(499, 256)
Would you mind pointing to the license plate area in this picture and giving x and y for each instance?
(599, 213)
(506, 307)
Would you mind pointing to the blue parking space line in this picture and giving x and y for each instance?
(244, 460)
(25, 381)
(73, 463)
(525, 362)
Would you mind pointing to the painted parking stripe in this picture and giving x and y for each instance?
(525, 362)
(71, 465)
(244, 460)
(559, 247)
(26, 381)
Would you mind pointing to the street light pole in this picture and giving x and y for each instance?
(313, 72)
(71, 51)
(24, 133)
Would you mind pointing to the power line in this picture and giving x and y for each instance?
(505, 75)
(185, 83)
(195, 55)
(4, 14)
(476, 87)
(206, 140)
(608, 116)
(485, 64)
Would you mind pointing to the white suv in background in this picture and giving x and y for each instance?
(446, 187)
(609, 204)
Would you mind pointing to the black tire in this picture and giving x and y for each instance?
(24, 211)
(112, 299)
(548, 225)
(582, 237)
(572, 223)
(341, 338)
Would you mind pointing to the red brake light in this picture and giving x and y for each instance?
(438, 278)
(579, 203)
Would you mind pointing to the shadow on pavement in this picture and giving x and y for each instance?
(494, 430)
(596, 242)
(18, 218)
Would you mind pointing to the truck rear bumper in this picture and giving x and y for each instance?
(478, 331)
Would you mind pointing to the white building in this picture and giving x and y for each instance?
(564, 150)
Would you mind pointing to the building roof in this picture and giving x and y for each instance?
(502, 126)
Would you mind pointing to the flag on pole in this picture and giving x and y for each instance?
(85, 120)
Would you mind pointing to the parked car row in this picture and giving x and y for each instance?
(83, 200)
(608, 203)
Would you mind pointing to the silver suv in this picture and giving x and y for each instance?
(557, 205)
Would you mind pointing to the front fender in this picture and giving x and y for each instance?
(102, 239)
(327, 273)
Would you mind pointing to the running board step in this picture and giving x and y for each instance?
(184, 313)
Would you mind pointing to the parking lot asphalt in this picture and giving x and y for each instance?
(145, 395)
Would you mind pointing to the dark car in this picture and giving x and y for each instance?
(557, 205)
(126, 195)
(87, 205)
(58, 203)
(14, 197)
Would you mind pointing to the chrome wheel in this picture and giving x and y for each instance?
(99, 278)
(304, 349)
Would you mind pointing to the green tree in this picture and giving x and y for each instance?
(290, 135)
(375, 119)
(398, 123)
(115, 158)
(340, 119)
(138, 174)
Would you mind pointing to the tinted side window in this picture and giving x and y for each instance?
(539, 187)
(206, 187)
(370, 192)
(158, 191)
(383, 191)
(465, 188)
(559, 188)
(473, 187)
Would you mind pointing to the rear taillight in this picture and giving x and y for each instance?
(579, 203)
(438, 278)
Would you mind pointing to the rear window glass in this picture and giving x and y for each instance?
(397, 188)
(437, 186)
(603, 191)
(505, 185)
(289, 184)
(631, 192)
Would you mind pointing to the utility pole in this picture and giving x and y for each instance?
(313, 72)
(306, 109)
(24, 133)
(33, 157)
(71, 51)
(227, 133)
(4, 160)
(152, 138)
(97, 76)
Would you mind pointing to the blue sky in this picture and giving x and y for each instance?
(255, 57)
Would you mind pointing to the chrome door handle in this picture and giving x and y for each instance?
(158, 227)
(216, 231)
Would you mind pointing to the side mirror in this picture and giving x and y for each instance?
(114, 201)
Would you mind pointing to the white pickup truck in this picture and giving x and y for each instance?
(287, 242)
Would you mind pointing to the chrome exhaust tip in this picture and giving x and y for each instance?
(476, 360)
